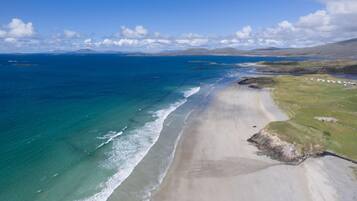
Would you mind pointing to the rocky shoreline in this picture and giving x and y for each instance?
(213, 154)
(276, 148)
(257, 82)
(267, 143)
(270, 144)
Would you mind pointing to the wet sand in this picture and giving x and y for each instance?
(214, 161)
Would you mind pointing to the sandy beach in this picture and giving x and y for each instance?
(214, 161)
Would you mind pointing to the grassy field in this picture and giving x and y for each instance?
(304, 100)
(309, 64)
(308, 67)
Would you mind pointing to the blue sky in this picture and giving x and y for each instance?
(165, 24)
(170, 17)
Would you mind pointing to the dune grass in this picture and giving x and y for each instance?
(303, 100)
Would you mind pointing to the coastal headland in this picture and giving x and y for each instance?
(214, 160)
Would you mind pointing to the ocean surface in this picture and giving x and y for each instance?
(74, 127)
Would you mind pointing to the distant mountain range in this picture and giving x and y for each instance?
(344, 49)
(83, 51)
(91, 51)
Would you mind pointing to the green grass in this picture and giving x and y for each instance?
(308, 67)
(311, 64)
(303, 99)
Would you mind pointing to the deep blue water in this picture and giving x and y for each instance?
(61, 114)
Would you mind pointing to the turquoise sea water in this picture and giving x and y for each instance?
(73, 127)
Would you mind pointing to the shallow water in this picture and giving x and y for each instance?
(73, 127)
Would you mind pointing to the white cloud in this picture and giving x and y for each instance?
(333, 22)
(127, 42)
(191, 35)
(155, 42)
(337, 21)
(17, 34)
(119, 42)
(191, 40)
(130, 42)
(17, 28)
(195, 42)
(319, 20)
(88, 41)
(269, 42)
(108, 41)
(341, 6)
(164, 41)
(10, 40)
(137, 32)
(71, 34)
(2, 33)
(286, 25)
(244, 33)
(140, 38)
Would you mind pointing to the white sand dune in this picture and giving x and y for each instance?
(215, 162)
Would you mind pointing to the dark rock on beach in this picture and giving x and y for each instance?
(277, 149)
(257, 82)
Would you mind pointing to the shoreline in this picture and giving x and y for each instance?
(150, 171)
(287, 151)
(214, 161)
(151, 132)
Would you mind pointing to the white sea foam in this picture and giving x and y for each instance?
(132, 148)
(191, 91)
(171, 158)
(110, 137)
(249, 64)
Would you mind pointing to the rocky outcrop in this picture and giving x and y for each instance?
(276, 148)
(257, 82)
